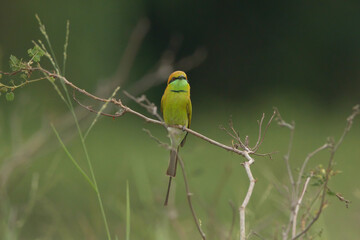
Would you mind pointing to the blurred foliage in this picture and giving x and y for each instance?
(300, 57)
(65, 205)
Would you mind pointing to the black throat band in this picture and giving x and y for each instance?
(178, 91)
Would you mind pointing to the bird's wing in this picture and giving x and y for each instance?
(189, 112)
(162, 101)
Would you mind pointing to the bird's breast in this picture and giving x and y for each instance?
(175, 108)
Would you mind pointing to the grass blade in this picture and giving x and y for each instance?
(100, 111)
(72, 158)
(66, 46)
(127, 211)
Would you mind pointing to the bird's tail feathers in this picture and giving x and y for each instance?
(171, 171)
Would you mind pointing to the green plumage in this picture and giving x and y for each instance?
(177, 110)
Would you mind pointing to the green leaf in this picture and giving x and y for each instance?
(23, 76)
(10, 96)
(14, 63)
(127, 211)
(36, 53)
(3, 89)
(51, 79)
(331, 193)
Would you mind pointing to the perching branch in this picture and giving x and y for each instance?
(125, 109)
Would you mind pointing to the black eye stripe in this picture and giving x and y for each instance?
(177, 78)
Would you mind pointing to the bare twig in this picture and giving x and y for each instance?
(341, 198)
(260, 124)
(161, 144)
(258, 143)
(145, 103)
(280, 120)
(333, 148)
(245, 144)
(291, 126)
(103, 107)
(242, 208)
(189, 194)
(296, 211)
(296, 199)
(293, 201)
(310, 155)
(118, 114)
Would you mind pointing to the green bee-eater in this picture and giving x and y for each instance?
(176, 108)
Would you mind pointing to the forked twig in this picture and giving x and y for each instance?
(242, 208)
(310, 155)
(258, 143)
(145, 103)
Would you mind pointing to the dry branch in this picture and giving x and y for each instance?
(296, 197)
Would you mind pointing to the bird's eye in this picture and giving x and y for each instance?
(177, 78)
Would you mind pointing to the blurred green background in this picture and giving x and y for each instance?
(245, 58)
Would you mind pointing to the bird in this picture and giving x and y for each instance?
(177, 110)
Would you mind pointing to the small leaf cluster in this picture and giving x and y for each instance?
(36, 53)
(16, 64)
(23, 68)
(319, 175)
(9, 96)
